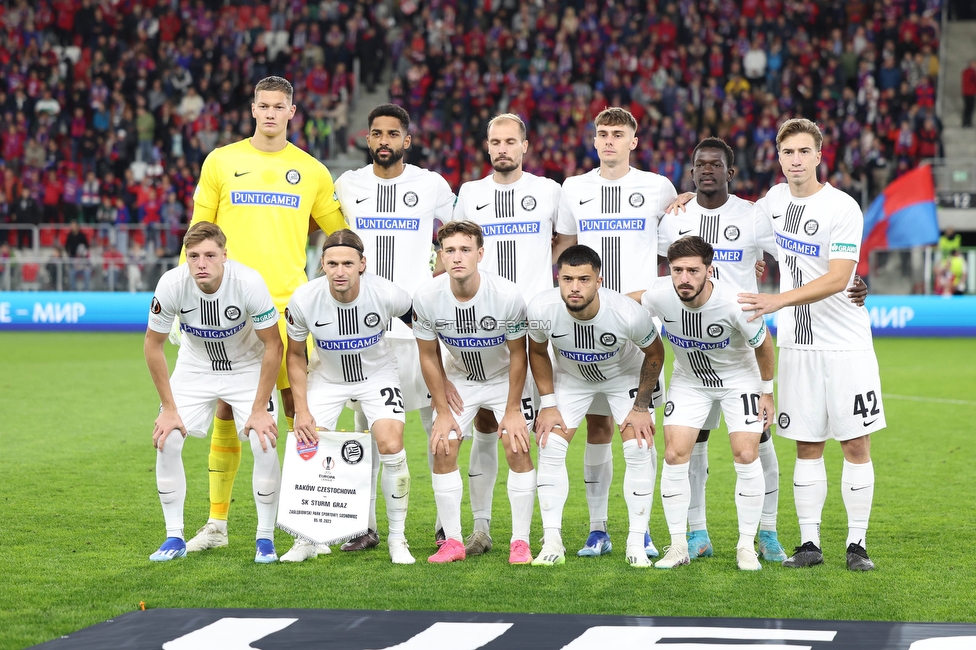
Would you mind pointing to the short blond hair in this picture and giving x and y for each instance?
(796, 126)
(511, 117)
(201, 232)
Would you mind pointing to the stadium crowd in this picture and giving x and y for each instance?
(109, 108)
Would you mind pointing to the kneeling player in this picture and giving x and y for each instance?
(231, 351)
(347, 312)
(598, 336)
(480, 318)
(713, 344)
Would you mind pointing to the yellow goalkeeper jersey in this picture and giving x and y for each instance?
(262, 202)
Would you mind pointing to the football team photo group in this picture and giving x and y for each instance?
(508, 316)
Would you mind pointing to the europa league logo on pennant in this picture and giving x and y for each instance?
(328, 464)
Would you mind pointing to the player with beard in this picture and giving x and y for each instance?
(395, 209)
(517, 214)
(722, 360)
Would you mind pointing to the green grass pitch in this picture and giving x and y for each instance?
(80, 515)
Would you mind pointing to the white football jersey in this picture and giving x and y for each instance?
(604, 347)
(619, 220)
(475, 332)
(713, 344)
(810, 232)
(349, 337)
(517, 220)
(395, 219)
(738, 235)
(218, 328)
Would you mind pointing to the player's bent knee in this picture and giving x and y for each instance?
(599, 429)
(388, 435)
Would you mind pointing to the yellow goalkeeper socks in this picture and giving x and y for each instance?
(225, 458)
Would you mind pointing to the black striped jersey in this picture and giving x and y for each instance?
(811, 231)
(517, 221)
(619, 220)
(713, 344)
(348, 337)
(218, 328)
(395, 219)
(606, 346)
(735, 232)
(475, 332)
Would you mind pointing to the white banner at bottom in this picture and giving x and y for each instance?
(325, 487)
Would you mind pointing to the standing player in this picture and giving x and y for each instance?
(721, 360)
(614, 210)
(231, 351)
(346, 313)
(480, 318)
(830, 386)
(393, 207)
(598, 337)
(265, 194)
(517, 214)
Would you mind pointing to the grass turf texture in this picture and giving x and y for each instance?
(81, 515)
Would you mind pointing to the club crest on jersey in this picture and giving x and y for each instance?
(293, 177)
(372, 319)
(352, 452)
(306, 450)
(529, 203)
(669, 408)
(488, 323)
(410, 199)
(232, 313)
(731, 233)
(715, 331)
(154, 306)
(811, 227)
(784, 421)
(636, 200)
(608, 339)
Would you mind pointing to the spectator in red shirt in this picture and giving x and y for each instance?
(968, 93)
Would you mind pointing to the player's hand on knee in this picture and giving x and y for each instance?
(264, 426)
(453, 398)
(305, 428)
(168, 421)
(440, 434)
(513, 431)
(642, 423)
(548, 419)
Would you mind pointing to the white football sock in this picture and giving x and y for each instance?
(857, 483)
(809, 494)
(553, 486)
(770, 466)
(482, 471)
(426, 414)
(171, 483)
(597, 476)
(265, 478)
(396, 491)
(521, 496)
(749, 492)
(697, 478)
(638, 490)
(675, 496)
(448, 490)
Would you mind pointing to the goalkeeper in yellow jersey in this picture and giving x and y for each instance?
(266, 195)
